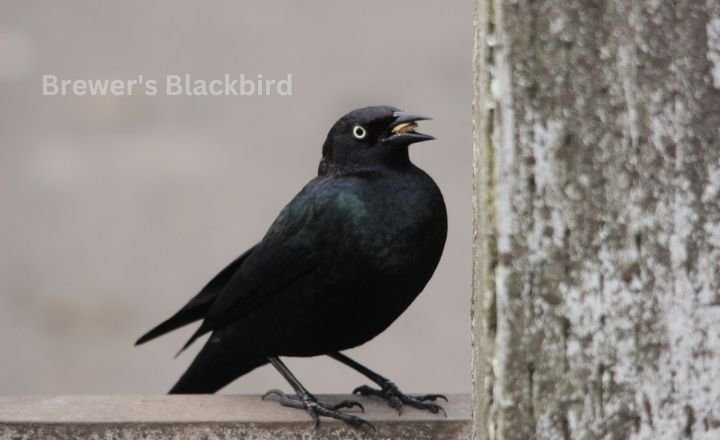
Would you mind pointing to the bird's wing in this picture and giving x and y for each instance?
(287, 254)
(199, 306)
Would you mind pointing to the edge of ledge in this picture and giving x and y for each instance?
(216, 417)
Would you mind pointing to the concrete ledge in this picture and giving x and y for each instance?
(214, 417)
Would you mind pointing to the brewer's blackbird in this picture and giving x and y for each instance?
(340, 263)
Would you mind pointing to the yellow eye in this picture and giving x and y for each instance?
(359, 132)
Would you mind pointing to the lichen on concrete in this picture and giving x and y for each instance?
(606, 212)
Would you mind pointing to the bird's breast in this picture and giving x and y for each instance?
(400, 228)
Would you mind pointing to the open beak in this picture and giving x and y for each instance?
(402, 130)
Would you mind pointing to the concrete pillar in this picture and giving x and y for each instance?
(596, 309)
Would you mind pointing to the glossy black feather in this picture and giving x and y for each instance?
(197, 307)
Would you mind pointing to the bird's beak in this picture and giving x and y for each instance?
(403, 129)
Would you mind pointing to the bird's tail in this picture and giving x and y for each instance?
(213, 368)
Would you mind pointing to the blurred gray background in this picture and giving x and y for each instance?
(116, 210)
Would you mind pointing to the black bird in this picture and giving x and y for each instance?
(341, 262)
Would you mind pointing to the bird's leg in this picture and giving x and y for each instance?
(388, 390)
(310, 403)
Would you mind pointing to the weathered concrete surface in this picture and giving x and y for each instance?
(597, 167)
(214, 417)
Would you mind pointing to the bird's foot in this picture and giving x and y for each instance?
(317, 408)
(396, 398)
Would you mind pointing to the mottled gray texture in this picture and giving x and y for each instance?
(214, 417)
(597, 161)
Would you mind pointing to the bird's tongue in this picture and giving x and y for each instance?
(404, 127)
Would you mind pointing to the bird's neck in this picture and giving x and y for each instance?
(397, 159)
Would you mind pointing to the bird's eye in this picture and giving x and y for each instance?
(359, 132)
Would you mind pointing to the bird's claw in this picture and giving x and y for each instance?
(348, 404)
(317, 408)
(396, 398)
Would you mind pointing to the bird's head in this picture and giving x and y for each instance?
(371, 137)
